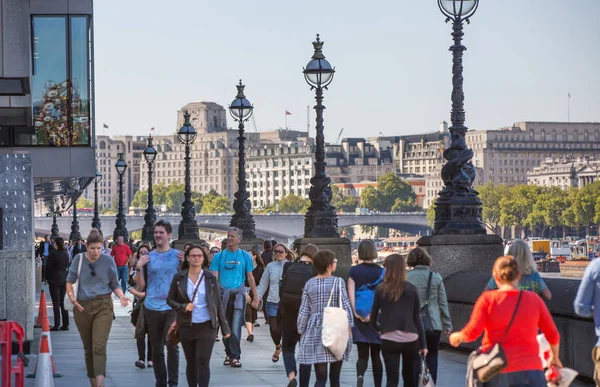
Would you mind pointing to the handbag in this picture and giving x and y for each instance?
(488, 365)
(364, 297)
(335, 330)
(425, 315)
(67, 304)
(425, 379)
(173, 333)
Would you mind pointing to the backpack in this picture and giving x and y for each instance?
(364, 297)
(294, 277)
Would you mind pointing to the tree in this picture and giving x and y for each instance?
(140, 199)
(197, 198)
(369, 198)
(175, 195)
(431, 215)
(293, 204)
(407, 205)
(343, 203)
(490, 195)
(391, 188)
(213, 203)
(84, 203)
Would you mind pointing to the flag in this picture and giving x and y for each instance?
(105, 126)
(152, 129)
(569, 94)
(288, 113)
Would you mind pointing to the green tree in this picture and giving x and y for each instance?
(391, 188)
(140, 199)
(431, 215)
(490, 195)
(84, 203)
(343, 203)
(198, 200)
(369, 198)
(516, 206)
(293, 204)
(175, 195)
(405, 205)
(215, 204)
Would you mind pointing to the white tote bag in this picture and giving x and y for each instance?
(68, 305)
(335, 332)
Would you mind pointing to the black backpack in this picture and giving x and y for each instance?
(294, 277)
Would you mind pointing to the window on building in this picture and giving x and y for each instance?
(60, 81)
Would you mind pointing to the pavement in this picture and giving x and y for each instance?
(257, 367)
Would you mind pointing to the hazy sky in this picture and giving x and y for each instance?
(393, 67)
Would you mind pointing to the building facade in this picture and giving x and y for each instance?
(565, 173)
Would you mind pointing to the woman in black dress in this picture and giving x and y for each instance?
(56, 274)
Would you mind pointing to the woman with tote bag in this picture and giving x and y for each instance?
(318, 322)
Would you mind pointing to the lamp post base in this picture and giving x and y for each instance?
(339, 246)
(188, 230)
(148, 234)
(458, 216)
(321, 224)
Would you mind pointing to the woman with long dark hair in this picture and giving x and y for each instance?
(251, 313)
(195, 295)
(56, 275)
(400, 324)
(141, 332)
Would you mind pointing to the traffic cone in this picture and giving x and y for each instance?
(45, 336)
(44, 377)
(42, 311)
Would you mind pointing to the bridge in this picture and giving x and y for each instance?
(276, 225)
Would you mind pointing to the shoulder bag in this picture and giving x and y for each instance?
(68, 305)
(487, 365)
(425, 315)
(173, 333)
(335, 331)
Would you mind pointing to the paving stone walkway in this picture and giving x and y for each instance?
(257, 370)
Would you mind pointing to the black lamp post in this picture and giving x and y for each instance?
(320, 220)
(458, 208)
(96, 219)
(241, 111)
(188, 228)
(150, 217)
(54, 214)
(75, 234)
(120, 230)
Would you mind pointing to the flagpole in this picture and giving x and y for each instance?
(286, 119)
(569, 108)
(308, 121)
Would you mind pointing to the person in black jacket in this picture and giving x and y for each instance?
(195, 296)
(44, 249)
(56, 275)
(400, 324)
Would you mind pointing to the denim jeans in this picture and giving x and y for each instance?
(235, 318)
(123, 273)
(290, 338)
(518, 379)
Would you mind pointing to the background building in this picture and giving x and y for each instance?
(565, 173)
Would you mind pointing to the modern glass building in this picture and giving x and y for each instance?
(47, 92)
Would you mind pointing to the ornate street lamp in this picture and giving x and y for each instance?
(54, 214)
(241, 111)
(458, 208)
(75, 234)
(120, 229)
(150, 217)
(320, 220)
(188, 227)
(96, 219)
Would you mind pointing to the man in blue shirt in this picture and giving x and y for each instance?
(233, 266)
(44, 252)
(161, 265)
(587, 304)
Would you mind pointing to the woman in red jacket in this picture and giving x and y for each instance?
(491, 315)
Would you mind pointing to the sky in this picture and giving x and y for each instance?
(393, 66)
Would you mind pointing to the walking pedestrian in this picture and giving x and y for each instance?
(267, 255)
(316, 295)
(194, 294)
(512, 317)
(43, 252)
(432, 294)
(161, 265)
(587, 304)
(214, 250)
(362, 282)
(530, 278)
(122, 254)
(56, 274)
(93, 304)
(402, 334)
(142, 336)
(270, 280)
(294, 277)
(232, 267)
(105, 248)
(257, 273)
(78, 247)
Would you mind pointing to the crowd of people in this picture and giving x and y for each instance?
(396, 313)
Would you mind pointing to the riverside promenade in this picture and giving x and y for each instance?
(257, 367)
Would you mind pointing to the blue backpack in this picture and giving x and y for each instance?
(364, 297)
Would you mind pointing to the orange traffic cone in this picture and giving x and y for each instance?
(45, 337)
(44, 377)
(42, 311)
